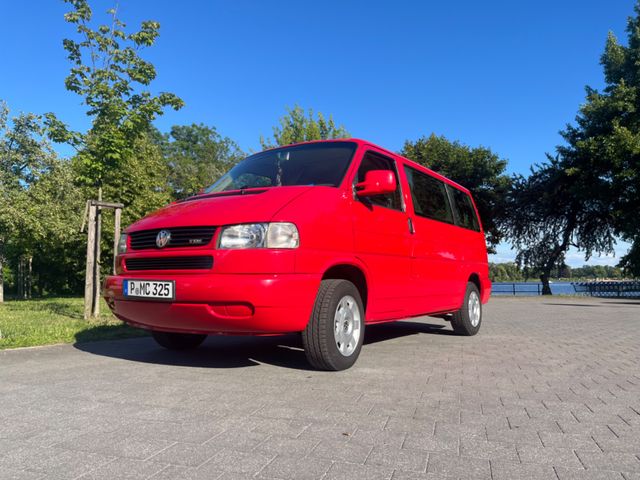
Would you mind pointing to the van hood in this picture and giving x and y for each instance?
(255, 205)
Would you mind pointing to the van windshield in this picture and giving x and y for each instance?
(310, 164)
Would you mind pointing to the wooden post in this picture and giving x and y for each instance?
(21, 289)
(89, 274)
(95, 311)
(116, 236)
(29, 275)
(94, 229)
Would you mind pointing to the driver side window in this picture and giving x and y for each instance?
(375, 161)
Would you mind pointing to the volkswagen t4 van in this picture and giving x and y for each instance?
(322, 238)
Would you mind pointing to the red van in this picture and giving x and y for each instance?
(321, 238)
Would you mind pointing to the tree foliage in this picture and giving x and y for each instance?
(111, 77)
(589, 192)
(116, 154)
(604, 144)
(38, 198)
(298, 126)
(505, 272)
(552, 210)
(196, 156)
(478, 169)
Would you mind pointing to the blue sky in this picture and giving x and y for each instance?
(503, 74)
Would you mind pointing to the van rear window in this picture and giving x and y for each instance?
(429, 196)
(463, 208)
(310, 164)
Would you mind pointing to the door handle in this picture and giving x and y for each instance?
(412, 229)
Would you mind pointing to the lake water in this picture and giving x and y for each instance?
(531, 288)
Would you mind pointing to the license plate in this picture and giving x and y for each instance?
(160, 289)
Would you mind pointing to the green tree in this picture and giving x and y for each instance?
(33, 180)
(196, 156)
(113, 80)
(297, 126)
(505, 272)
(604, 144)
(478, 169)
(552, 210)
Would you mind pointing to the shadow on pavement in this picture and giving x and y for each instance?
(572, 304)
(220, 351)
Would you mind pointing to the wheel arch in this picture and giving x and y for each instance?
(475, 279)
(352, 273)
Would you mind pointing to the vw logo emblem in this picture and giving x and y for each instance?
(163, 237)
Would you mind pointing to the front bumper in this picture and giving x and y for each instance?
(220, 303)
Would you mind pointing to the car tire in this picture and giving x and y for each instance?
(178, 341)
(334, 335)
(468, 319)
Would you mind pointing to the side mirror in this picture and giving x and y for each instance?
(376, 182)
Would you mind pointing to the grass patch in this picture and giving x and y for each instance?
(26, 323)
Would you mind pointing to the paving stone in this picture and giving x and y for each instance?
(11, 474)
(186, 454)
(238, 462)
(125, 469)
(116, 444)
(398, 458)
(488, 450)
(459, 467)
(238, 440)
(343, 451)
(379, 437)
(555, 456)
(54, 462)
(402, 475)
(590, 474)
(616, 461)
(501, 470)
(353, 471)
(283, 444)
(582, 441)
(298, 467)
(432, 443)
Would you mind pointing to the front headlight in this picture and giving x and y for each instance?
(122, 243)
(260, 235)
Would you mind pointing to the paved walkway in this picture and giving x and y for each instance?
(549, 388)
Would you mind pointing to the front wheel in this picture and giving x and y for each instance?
(467, 320)
(178, 341)
(335, 332)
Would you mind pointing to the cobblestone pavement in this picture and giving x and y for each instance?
(549, 388)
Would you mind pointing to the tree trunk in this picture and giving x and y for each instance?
(544, 278)
(19, 282)
(29, 275)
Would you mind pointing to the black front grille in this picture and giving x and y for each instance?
(180, 237)
(169, 263)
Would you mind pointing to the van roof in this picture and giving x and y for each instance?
(362, 142)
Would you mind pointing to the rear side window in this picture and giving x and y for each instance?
(374, 161)
(429, 196)
(465, 213)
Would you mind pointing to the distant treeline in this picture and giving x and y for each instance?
(510, 272)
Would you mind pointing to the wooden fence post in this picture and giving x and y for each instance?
(29, 275)
(95, 310)
(116, 236)
(94, 230)
(90, 271)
